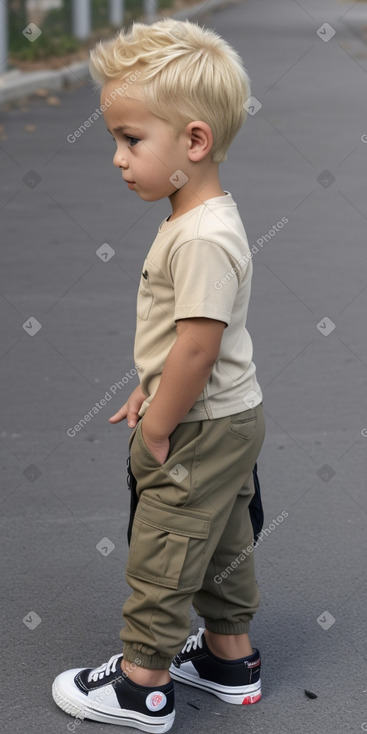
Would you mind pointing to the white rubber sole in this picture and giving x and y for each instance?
(244, 695)
(75, 704)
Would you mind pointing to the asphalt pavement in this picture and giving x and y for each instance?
(73, 240)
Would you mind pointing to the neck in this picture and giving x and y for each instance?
(195, 192)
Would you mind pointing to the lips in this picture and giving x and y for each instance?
(129, 183)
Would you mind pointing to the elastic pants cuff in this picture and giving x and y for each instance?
(141, 660)
(222, 627)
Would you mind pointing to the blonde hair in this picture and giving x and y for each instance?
(182, 73)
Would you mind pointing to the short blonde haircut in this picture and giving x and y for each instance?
(186, 73)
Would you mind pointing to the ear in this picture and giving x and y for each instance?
(200, 139)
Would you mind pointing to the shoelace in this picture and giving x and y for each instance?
(194, 641)
(104, 670)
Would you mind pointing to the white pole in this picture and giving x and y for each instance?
(3, 37)
(150, 10)
(81, 19)
(116, 12)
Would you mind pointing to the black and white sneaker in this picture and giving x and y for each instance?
(234, 681)
(106, 694)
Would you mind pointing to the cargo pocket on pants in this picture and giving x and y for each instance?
(167, 545)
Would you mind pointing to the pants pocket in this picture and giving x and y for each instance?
(167, 545)
(173, 479)
(243, 425)
(144, 456)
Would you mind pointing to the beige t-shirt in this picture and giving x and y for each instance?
(199, 265)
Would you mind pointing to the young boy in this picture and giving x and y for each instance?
(172, 97)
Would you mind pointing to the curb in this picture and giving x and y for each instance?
(22, 84)
(16, 84)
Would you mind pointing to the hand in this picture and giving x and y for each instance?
(158, 447)
(130, 409)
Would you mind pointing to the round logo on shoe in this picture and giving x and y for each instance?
(155, 701)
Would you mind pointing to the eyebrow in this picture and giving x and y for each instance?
(121, 128)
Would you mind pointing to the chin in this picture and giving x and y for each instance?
(150, 196)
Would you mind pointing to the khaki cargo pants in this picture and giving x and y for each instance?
(190, 529)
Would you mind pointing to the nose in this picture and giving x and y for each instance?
(119, 160)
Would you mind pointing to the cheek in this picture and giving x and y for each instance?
(153, 170)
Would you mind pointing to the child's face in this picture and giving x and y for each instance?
(148, 151)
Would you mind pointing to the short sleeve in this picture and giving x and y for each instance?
(206, 280)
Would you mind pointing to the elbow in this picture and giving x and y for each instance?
(203, 358)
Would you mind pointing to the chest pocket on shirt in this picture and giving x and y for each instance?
(145, 295)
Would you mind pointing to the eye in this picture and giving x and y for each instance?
(132, 141)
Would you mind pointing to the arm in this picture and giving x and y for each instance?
(186, 371)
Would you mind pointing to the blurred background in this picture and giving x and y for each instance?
(67, 27)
